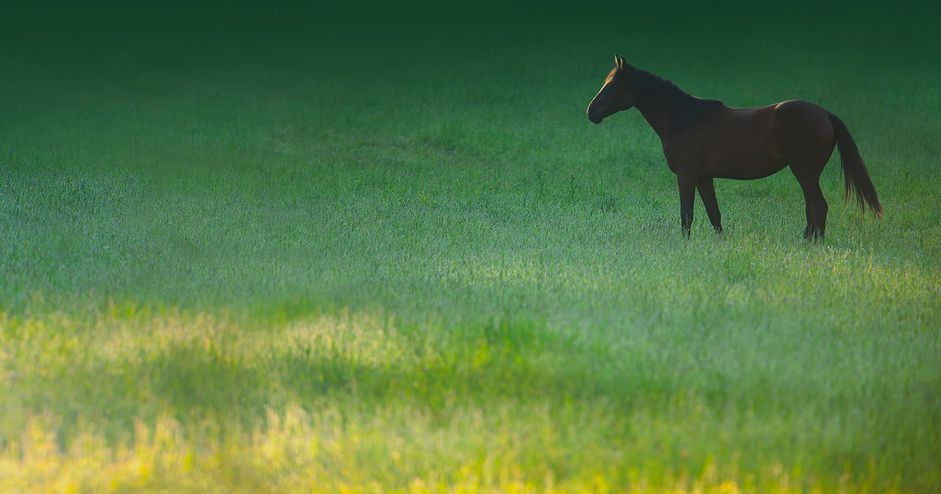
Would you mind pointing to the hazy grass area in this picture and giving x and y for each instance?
(415, 266)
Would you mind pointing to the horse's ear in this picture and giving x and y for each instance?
(618, 61)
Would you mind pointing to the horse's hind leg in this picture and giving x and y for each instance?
(816, 204)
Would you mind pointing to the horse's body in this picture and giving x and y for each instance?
(704, 139)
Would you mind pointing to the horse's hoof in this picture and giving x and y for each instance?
(813, 236)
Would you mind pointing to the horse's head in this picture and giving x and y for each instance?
(615, 95)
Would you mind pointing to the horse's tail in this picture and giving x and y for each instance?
(856, 179)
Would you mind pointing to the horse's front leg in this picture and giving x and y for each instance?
(707, 192)
(687, 185)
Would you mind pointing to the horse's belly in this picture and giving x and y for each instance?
(746, 166)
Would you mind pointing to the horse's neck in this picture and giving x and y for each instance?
(657, 114)
(660, 110)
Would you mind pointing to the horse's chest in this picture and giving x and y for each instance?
(681, 154)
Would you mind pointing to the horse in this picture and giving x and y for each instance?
(703, 139)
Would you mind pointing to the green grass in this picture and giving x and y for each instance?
(430, 273)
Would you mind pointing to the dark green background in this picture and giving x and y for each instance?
(385, 38)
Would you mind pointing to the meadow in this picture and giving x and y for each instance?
(245, 263)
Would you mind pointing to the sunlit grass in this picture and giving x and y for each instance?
(388, 451)
(358, 401)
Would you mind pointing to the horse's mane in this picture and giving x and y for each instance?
(655, 86)
(685, 107)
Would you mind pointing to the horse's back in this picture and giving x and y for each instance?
(802, 131)
(750, 143)
(802, 114)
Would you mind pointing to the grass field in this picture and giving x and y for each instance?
(415, 266)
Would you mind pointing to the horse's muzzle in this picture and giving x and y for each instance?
(594, 118)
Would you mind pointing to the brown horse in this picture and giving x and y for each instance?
(704, 139)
